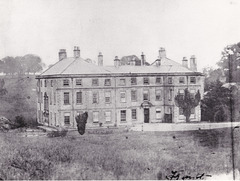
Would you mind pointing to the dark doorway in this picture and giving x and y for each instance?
(146, 115)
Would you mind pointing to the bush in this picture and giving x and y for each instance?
(19, 122)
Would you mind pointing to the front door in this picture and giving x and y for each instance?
(146, 115)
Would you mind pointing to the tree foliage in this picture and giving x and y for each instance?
(187, 102)
(21, 64)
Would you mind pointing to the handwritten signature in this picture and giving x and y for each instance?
(176, 175)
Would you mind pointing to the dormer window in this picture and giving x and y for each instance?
(78, 81)
(181, 80)
(95, 82)
(158, 80)
(133, 81)
(145, 80)
(170, 81)
(107, 82)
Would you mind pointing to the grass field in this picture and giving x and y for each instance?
(117, 155)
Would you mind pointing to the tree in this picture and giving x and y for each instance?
(10, 65)
(187, 102)
(32, 63)
(3, 91)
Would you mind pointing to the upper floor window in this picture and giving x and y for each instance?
(66, 98)
(145, 80)
(134, 95)
(170, 81)
(158, 94)
(192, 93)
(193, 80)
(95, 82)
(45, 83)
(95, 97)
(79, 97)
(181, 93)
(107, 82)
(107, 97)
(181, 80)
(158, 80)
(65, 82)
(145, 95)
(51, 83)
(133, 81)
(78, 81)
(122, 96)
(122, 82)
(170, 94)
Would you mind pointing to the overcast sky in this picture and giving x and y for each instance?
(119, 27)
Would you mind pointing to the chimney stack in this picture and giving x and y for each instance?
(116, 62)
(143, 59)
(100, 59)
(162, 53)
(62, 54)
(76, 52)
(185, 62)
(193, 63)
(158, 62)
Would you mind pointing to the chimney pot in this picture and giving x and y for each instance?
(76, 52)
(193, 63)
(100, 59)
(116, 62)
(162, 53)
(143, 59)
(185, 62)
(158, 62)
(62, 54)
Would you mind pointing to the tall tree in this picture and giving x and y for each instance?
(32, 63)
(11, 65)
(3, 91)
(187, 102)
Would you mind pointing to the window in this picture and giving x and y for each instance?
(181, 80)
(158, 113)
(192, 93)
(193, 111)
(133, 95)
(133, 81)
(108, 116)
(145, 80)
(45, 102)
(95, 82)
(41, 83)
(170, 94)
(123, 115)
(50, 98)
(41, 97)
(122, 82)
(95, 116)
(107, 97)
(145, 95)
(67, 118)
(79, 97)
(78, 81)
(134, 114)
(158, 80)
(170, 80)
(66, 98)
(45, 83)
(107, 82)
(54, 98)
(95, 97)
(65, 82)
(122, 96)
(158, 95)
(180, 111)
(193, 80)
(181, 93)
(51, 83)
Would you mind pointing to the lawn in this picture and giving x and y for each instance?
(117, 155)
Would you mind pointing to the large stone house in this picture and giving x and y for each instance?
(116, 95)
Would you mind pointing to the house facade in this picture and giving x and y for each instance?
(116, 95)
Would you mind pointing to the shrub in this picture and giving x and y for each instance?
(19, 122)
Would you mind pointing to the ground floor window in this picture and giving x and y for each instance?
(108, 116)
(123, 115)
(67, 118)
(180, 111)
(158, 113)
(193, 111)
(95, 116)
(134, 114)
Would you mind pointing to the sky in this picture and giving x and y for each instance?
(119, 28)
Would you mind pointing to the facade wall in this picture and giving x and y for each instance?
(165, 105)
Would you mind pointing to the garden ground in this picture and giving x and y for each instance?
(119, 154)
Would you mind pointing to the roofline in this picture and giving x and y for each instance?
(119, 75)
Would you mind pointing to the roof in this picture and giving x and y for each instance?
(79, 66)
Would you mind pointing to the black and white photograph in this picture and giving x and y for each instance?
(119, 90)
